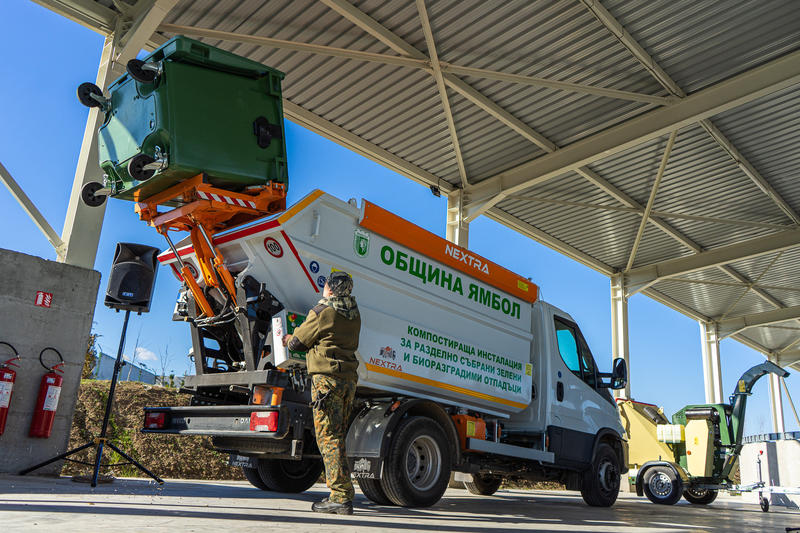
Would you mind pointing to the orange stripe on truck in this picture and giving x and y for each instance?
(440, 385)
(423, 241)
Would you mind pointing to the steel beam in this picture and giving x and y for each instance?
(643, 277)
(712, 373)
(730, 326)
(396, 43)
(30, 208)
(649, 207)
(608, 20)
(83, 223)
(269, 42)
(558, 85)
(353, 142)
(723, 96)
(440, 86)
(620, 346)
(88, 13)
(457, 229)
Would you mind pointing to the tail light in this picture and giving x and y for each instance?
(264, 421)
(155, 420)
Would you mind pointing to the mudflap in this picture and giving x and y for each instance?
(242, 461)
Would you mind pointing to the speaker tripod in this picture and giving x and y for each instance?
(102, 440)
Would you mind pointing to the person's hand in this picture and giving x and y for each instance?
(286, 339)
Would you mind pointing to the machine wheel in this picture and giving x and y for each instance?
(135, 70)
(700, 496)
(374, 492)
(283, 475)
(417, 468)
(254, 478)
(85, 92)
(89, 197)
(661, 485)
(483, 485)
(136, 167)
(600, 483)
(764, 503)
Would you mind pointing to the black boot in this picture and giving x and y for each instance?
(329, 507)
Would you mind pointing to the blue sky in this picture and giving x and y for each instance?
(41, 128)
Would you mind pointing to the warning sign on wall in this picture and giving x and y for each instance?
(43, 299)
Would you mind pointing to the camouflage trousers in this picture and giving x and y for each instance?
(333, 401)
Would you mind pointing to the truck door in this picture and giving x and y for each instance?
(579, 408)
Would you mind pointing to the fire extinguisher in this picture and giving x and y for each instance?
(47, 402)
(7, 378)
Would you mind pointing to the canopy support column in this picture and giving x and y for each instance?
(776, 404)
(712, 373)
(457, 227)
(619, 329)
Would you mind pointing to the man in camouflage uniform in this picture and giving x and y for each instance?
(329, 335)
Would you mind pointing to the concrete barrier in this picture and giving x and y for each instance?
(780, 466)
(42, 304)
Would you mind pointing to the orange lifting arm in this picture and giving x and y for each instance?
(203, 210)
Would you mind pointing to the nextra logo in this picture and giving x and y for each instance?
(466, 258)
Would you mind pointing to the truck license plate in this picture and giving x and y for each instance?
(242, 460)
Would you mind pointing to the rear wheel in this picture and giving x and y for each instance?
(374, 492)
(417, 469)
(254, 478)
(662, 486)
(483, 484)
(283, 475)
(600, 482)
(700, 496)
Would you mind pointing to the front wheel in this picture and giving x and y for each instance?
(283, 475)
(662, 486)
(600, 483)
(417, 469)
(483, 484)
(700, 496)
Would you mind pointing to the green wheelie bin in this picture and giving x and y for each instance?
(190, 108)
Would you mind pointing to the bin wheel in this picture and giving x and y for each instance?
(85, 92)
(764, 503)
(134, 68)
(136, 167)
(89, 197)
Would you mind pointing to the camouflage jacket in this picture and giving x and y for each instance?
(329, 335)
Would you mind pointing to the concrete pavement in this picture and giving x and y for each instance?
(34, 504)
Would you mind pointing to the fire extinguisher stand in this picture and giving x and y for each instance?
(102, 440)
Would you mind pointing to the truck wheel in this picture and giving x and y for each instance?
(662, 486)
(600, 482)
(700, 496)
(417, 468)
(254, 477)
(483, 485)
(283, 475)
(374, 492)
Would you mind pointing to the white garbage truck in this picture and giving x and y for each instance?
(463, 369)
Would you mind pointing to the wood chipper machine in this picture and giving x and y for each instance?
(696, 454)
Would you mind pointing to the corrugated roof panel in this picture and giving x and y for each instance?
(772, 337)
(709, 300)
(701, 43)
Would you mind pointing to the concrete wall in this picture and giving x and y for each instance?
(780, 466)
(65, 326)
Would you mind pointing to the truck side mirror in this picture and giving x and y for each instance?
(619, 374)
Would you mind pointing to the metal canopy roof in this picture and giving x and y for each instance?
(558, 119)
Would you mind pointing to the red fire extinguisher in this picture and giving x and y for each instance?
(7, 378)
(47, 402)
